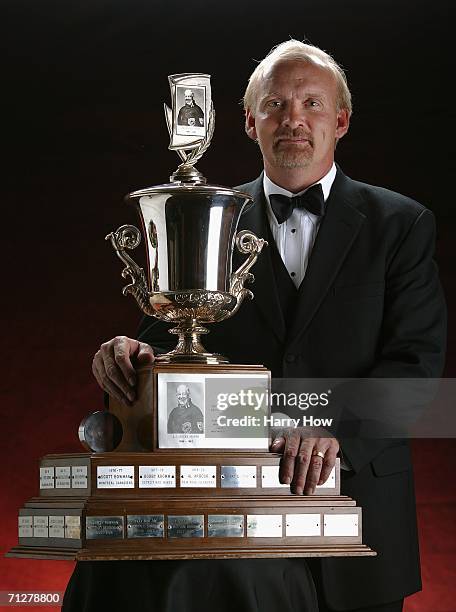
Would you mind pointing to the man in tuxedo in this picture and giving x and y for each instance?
(346, 289)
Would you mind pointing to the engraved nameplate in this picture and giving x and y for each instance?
(331, 482)
(79, 477)
(115, 477)
(186, 526)
(25, 524)
(46, 477)
(145, 526)
(235, 476)
(225, 525)
(56, 526)
(40, 526)
(198, 476)
(264, 525)
(340, 525)
(157, 476)
(73, 527)
(302, 525)
(104, 527)
(63, 477)
(270, 477)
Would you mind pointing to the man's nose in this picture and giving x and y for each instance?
(294, 114)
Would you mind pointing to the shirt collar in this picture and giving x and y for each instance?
(326, 183)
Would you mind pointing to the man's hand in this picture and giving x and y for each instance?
(300, 466)
(113, 369)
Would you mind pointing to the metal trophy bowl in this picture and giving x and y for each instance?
(189, 229)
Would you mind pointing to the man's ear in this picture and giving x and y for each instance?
(343, 123)
(250, 125)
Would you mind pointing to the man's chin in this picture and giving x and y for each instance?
(292, 161)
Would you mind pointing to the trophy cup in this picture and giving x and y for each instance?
(184, 472)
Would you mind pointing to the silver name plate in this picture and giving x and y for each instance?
(225, 525)
(237, 476)
(115, 477)
(303, 525)
(104, 527)
(186, 526)
(79, 477)
(341, 525)
(198, 476)
(25, 524)
(270, 477)
(40, 526)
(145, 526)
(264, 525)
(63, 477)
(47, 476)
(57, 526)
(157, 476)
(73, 527)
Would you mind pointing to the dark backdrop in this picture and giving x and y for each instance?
(83, 90)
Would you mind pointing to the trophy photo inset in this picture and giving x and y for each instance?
(185, 472)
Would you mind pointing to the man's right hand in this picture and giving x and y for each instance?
(113, 369)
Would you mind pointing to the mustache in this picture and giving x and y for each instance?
(285, 133)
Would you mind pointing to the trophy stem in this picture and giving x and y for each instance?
(189, 348)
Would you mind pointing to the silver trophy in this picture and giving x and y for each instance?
(190, 232)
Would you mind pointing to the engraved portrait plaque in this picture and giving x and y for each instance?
(340, 525)
(73, 527)
(104, 527)
(47, 475)
(115, 477)
(198, 476)
(236, 476)
(186, 526)
(25, 525)
(264, 525)
(303, 525)
(157, 476)
(79, 477)
(40, 526)
(225, 525)
(63, 477)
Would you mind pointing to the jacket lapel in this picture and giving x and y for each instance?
(337, 232)
(264, 287)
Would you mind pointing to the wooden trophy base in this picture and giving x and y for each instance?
(145, 502)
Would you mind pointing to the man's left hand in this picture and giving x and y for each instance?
(301, 466)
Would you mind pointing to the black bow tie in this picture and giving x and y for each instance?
(312, 200)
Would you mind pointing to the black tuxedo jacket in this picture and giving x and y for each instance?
(370, 305)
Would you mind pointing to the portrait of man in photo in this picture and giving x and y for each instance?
(185, 417)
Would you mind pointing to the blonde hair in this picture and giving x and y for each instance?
(297, 50)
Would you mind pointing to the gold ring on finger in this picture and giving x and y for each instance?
(318, 454)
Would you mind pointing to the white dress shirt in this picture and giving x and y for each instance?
(296, 236)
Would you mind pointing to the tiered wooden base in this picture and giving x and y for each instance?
(109, 506)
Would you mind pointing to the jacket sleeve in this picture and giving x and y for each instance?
(412, 347)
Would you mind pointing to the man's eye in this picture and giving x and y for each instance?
(313, 103)
(273, 103)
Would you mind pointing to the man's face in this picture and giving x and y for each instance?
(296, 121)
(189, 98)
(182, 394)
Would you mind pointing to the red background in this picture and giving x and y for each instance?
(84, 88)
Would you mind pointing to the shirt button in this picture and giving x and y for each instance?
(290, 358)
(293, 231)
(292, 273)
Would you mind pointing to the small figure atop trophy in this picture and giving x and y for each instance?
(190, 122)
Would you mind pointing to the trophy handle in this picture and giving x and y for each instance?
(128, 237)
(247, 243)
